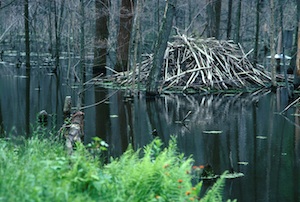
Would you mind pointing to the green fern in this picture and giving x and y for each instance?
(214, 194)
(41, 170)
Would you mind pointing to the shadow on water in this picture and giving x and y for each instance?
(241, 133)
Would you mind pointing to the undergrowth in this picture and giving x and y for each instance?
(41, 170)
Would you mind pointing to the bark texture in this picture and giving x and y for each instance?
(213, 11)
(160, 47)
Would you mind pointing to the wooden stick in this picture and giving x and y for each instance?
(290, 105)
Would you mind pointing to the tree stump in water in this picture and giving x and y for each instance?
(73, 131)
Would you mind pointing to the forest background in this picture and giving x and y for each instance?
(108, 31)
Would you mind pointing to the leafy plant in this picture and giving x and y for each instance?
(41, 170)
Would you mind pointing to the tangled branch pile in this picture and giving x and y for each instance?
(203, 64)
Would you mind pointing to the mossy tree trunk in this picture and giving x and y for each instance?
(160, 47)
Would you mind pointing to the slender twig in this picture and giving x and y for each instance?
(290, 105)
(100, 102)
(186, 116)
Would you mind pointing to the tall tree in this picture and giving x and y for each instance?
(58, 25)
(101, 36)
(126, 17)
(135, 42)
(238, 22)
(229, 17)
(180, 17)
(296, 59)
(82, 55)
(82, 37)
(213, 12)
(50, 43)
(160, 47)
(27, 42)
(272, 44)
(255, 52)
(281, 46)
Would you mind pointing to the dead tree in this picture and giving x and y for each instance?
(72, 131)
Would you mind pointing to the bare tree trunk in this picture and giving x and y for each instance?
(213, 11)
(50, 48)
(82, 39)
(272, 44)
(238, 22)
(296, 60)
(255, 52)
(180, 18)
(82, 55)
(101, 36)
(126, 17)
(27, 42)
(136, 35)
(158, 16)
(190, 9)
(298, 53)
(58, 19)
(281, 49)
(160, 47)
(229, 18)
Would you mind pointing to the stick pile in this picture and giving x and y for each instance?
(203, 64)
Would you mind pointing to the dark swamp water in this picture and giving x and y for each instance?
(254, 139)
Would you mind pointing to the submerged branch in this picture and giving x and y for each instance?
(290, 105)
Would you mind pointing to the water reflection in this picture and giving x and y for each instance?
(250, 137)
(243, 133)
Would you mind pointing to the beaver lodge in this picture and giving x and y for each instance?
(199, 65)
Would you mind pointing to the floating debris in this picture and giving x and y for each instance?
(21, 77)
(216, 132)
(234, 175)
(243, 163)
(261, 137)
(226, 176)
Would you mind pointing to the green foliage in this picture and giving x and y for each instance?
(97, 147)
(41, 170)
(215, 193)
(160, 175)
